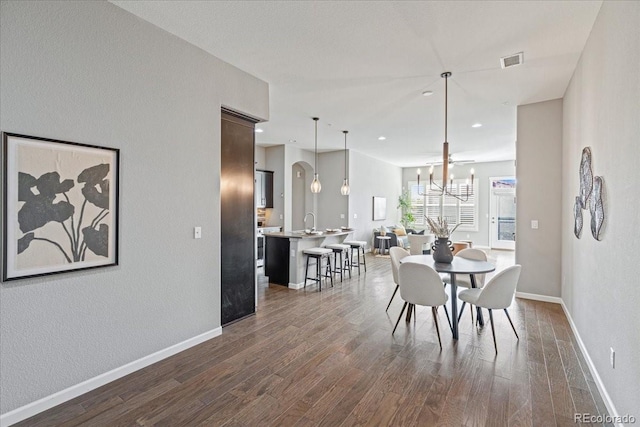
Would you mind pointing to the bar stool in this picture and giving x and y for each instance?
(340, 249)
(318, 254)
(357, 245)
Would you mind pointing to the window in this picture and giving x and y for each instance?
(454, 211)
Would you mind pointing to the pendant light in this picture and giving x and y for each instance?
(315, 184)
(345, 190)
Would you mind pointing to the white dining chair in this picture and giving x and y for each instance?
(396, 253)
(495, 295)
(464, 280)
(421, 285)
(417, 242)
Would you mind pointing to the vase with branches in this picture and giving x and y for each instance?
(442, 248)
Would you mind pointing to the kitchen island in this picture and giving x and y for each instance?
(284, 262)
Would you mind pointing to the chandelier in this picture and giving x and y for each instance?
(443, 188)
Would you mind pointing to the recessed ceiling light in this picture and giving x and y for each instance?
(259, 130)
(382, 138)
(476, 125)
(427, 93)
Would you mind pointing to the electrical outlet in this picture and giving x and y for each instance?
(534, 224)
(355, 216)
(197, 232)
(612, 358)
(281, 216)
(341, 216)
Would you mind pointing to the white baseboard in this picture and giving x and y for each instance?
(62, 396)
(592, 368)
(538, 297)
(296, 285)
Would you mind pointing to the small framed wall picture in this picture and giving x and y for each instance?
(379, 208)
(60, 206)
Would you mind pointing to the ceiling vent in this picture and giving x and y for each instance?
(512, 60)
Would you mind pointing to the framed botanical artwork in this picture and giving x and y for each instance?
(379, 208)
(60, 206)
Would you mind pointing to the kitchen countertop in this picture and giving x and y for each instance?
(303, 235)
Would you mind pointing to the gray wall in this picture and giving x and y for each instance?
(483, 171)
(91, 72)
(331, 203)
(261, 158)
(538, 175)
(600, 279)
(369, 177)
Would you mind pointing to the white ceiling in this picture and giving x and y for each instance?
(363, 66)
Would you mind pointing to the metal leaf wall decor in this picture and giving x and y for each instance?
(577, 216)
(591, 195)
(586, 177)
(596, 208)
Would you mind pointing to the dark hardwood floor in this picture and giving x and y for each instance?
(328, 358)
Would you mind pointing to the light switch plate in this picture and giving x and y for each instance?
(534, 224)
(341, 216)
(197, 232)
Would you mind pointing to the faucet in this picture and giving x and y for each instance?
(314, 220)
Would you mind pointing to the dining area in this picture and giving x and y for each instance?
(431, 281)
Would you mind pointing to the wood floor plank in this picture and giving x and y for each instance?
(310, 358)
(541, 402)
(415, 395)
(458, 394)
(520, 399)
(572, 368)
(584, 403)
(477, 408)
(498, 403)
(106, 418)
(333, 396)
(558, 384)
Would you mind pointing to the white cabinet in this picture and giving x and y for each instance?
(264, 189)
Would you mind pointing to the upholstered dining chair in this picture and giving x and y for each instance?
(417, 241)
(396, 253)
(421, 285)
(496, 294)
(463, 280)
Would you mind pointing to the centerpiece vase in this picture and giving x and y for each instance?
(441, 250)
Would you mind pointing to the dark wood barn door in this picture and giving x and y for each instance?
(237, 218)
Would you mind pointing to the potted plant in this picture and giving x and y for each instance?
(404, 203)
(441, 248)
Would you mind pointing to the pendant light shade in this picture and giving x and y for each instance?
(316, 187)
(315, 184)
(345, 190)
